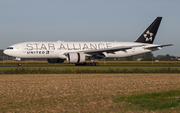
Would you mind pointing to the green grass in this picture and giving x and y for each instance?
(36, 63)
(152, 101)
(34, 67)
(84, 70)
(89, 67)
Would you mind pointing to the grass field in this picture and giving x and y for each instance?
(87, 70)
(87, 67)
(26, 63)
(85, 92)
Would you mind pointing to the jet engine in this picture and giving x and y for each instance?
(55, 60)
(75, 57)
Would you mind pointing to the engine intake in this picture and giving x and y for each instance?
(75, 57)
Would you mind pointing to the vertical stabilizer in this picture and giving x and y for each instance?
(149, 34)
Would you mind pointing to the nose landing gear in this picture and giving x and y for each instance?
(19, 61)
(19, 64)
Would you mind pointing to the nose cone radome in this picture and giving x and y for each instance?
(8, 52)
(5, 52)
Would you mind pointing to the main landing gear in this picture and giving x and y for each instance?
(87, 64)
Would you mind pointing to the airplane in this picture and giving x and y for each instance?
(78, 52)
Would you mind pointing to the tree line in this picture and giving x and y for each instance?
(149, 57)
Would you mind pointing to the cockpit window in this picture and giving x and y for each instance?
(10, 48)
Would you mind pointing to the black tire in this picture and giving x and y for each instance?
(97, 64)
(76, 64)
(82, 64)
(89, 64)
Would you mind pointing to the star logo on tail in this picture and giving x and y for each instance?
(148, 36)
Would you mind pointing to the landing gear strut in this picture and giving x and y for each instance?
(19, 61)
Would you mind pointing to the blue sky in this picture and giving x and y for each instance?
(88, 20)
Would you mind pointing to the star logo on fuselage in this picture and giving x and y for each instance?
(148, 36)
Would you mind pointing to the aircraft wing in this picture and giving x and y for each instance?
(99, 52)
(109, 50)
(158, 46)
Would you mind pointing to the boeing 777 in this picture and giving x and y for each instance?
(77, 52)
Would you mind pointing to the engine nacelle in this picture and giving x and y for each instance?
(75, 57)
(55, 60)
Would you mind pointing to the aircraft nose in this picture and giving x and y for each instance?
(8, 52)
(5, 52)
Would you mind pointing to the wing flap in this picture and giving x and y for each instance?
(110, 50)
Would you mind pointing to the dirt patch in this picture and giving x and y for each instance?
(77, 92)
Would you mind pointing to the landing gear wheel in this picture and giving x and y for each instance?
(93, 64)
(87, 64)
(81, 64)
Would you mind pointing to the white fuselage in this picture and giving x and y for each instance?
(58, 49)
